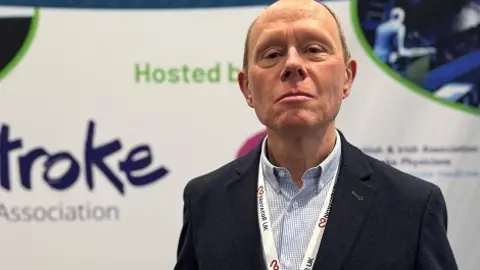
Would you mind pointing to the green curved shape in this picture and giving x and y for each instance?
(414, 87)
(25, 46)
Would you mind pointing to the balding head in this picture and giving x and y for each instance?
(311, 6)
(297, 68)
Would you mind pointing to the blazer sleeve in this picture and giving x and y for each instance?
(434, 250)
(185, 252)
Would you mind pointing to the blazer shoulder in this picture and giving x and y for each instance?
(401, 182)
(212, 180)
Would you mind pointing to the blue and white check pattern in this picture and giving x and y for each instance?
(294, 211)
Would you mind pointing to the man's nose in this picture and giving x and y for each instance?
(294, 68)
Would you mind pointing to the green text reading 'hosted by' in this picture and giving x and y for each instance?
(147, 73)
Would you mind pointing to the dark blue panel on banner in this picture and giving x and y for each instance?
(451, 71)
(134, 4)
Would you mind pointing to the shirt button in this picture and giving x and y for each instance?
(288, 263)
(295, 205)
(281, 173)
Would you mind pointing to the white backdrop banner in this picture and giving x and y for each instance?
(108, 109)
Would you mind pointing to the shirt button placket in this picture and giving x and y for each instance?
(295, 205)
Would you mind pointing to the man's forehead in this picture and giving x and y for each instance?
(287, 11)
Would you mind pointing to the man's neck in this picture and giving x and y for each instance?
(300, 152)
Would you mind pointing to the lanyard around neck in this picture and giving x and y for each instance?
(265, 224)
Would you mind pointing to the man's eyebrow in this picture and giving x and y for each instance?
(323, 37)
(267, 39)
(270, 37)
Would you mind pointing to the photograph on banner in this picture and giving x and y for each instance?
(432, 45)
(17, 26)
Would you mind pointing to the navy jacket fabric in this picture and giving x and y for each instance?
(381, 219)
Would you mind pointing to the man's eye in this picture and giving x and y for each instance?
(272, 55)
(314, 50)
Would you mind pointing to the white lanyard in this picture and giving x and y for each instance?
(267, 234)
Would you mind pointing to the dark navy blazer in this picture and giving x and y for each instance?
(381, 219)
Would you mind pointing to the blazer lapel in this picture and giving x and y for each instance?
(351, 203)
(241, 192)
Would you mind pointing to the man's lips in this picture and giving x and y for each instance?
(297, 96)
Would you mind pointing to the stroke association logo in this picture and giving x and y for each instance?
(251, 143)
(432, 47)
(17, 29)
(25, 170)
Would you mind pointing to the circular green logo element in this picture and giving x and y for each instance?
(431, 47)
(17, 29)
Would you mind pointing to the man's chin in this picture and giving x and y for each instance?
(297, 125)
(298, 120)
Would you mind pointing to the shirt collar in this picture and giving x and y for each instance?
(316, 177)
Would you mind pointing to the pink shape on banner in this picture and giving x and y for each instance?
(251, 143)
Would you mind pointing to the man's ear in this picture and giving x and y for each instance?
(350, 73)
(242, 79)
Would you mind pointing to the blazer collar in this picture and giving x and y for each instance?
(352, 160)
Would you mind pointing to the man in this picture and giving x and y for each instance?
(269, 209)
(390, 39)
